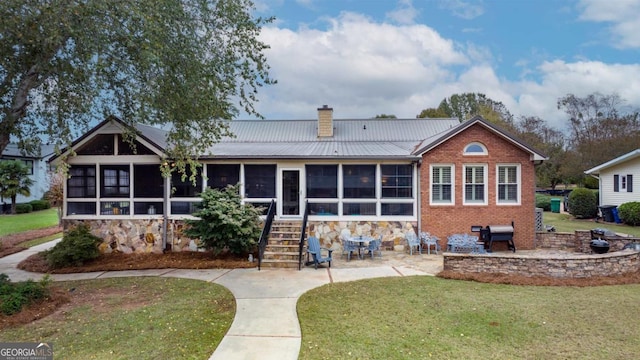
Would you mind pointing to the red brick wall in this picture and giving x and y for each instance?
(444, 220)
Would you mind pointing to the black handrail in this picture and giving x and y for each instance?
(264, 237)
(303, 233)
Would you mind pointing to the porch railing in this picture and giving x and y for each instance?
(303, 233)
(264, 237)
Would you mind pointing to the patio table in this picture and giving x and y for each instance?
(362, 241)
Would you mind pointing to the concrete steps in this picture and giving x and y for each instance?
(283, 246)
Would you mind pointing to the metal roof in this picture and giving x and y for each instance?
(352, 138)
(156, 136)
(363, 138)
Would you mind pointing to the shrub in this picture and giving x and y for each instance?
(38, 205)
(543, 201)
(629, 213)
(14, 296)
(225, 222)
(583, 203)
(23, 208)
(590, 182)
(78, 245)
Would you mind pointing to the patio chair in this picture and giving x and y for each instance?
(429, 240)
(413, 241)
(374, 245)
(348, 247)
(313, 248)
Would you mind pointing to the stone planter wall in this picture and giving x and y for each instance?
(558, 266)
(576, 260)
(578, 241)
(555, 240)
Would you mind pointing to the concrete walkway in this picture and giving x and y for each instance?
(266, 323)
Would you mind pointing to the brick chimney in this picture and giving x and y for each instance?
(325, 121)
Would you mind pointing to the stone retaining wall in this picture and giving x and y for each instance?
(574, 260)
(555, 265)
(578, 241)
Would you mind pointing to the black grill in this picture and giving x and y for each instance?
(493, 233)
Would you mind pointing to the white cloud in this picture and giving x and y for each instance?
(362, 68)
(404, 14)
(623, 15)
(356, 64)
(463, 9)
(581, 78)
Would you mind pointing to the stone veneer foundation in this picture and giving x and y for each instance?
(145, 235)
(393, 232)
(137, 235)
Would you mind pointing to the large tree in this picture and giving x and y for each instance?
(467, 105)
(187, 65)
(600, 128)
(14, 181)
(537, 133)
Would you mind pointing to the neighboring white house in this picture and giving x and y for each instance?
(38, 167)
(619, 179)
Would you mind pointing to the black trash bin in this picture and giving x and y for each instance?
(607, 212)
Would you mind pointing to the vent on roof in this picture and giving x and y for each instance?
(325, 121)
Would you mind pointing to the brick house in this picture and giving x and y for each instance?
(383, 177)
(479, 156)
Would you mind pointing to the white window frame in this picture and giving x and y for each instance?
(485, 183)
(453, 185)
(475, 153)
(518, 183)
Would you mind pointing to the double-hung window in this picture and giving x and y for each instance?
(475, 185)
(622, 183)
(508, 184)
(442, 184)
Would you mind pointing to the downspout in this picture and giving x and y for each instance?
(165, 216)
(418, 198)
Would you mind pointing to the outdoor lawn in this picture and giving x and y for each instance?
(11, 224)
(425, 317)
(134, 318)
(566, 223)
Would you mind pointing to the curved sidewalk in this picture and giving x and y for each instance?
(266, 323)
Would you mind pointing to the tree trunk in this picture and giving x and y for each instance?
(13, 204)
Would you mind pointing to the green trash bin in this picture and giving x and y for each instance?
(555, 205)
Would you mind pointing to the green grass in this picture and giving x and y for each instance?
(426, 317)
(566, 223)
(138, 318)
(11, 224)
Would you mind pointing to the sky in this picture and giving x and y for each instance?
(370, 57)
